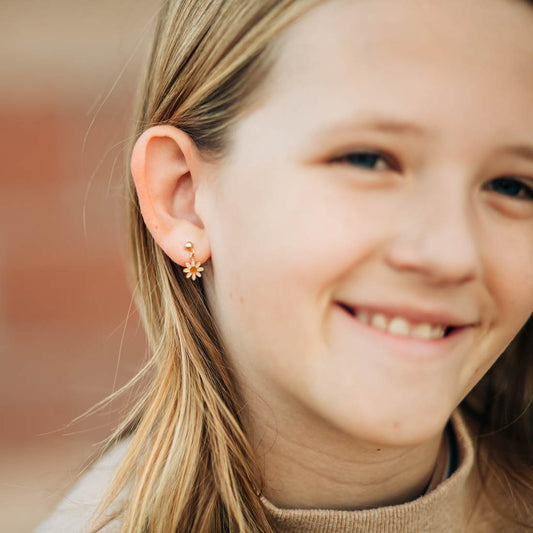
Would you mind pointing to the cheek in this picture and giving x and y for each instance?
(274, 260)
(508, 263)
(516, 303)
(509, 276)
(292, 227)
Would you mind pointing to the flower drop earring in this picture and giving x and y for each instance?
(193, 269)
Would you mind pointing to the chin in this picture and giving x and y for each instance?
(394, 424)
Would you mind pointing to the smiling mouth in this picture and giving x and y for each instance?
(400, 326)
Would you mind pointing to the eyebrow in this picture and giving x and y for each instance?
(521, 150)
(390, 126)
(374, 123)
(400, 126)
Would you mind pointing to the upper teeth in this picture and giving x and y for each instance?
(401, 326)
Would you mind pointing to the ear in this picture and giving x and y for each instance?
(167, 169)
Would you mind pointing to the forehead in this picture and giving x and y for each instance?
(423, 59)
(357, 33)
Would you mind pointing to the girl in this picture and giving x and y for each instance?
(331, 214)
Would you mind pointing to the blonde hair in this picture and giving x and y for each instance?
(189, 466)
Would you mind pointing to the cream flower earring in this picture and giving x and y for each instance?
(193, 269)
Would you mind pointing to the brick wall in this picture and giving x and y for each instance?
(68, 336)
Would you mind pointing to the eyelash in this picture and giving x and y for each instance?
(348, 158)
(523, 192)
(526, 192)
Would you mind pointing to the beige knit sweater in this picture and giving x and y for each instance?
(456, 505)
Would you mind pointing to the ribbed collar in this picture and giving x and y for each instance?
(446, 508)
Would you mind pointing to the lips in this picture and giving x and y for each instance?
(407, 322)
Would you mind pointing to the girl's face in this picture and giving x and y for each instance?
(387, 176)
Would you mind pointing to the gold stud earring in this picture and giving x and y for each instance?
(193, 269)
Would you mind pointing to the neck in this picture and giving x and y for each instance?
(329, 470)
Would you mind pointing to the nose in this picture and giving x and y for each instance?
(436, 238)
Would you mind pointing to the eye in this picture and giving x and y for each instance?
(367, 159)
(511, 187)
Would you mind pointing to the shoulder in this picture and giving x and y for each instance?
(75, 511)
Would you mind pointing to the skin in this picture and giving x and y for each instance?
(340, 414)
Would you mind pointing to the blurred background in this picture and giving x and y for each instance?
(68, 336)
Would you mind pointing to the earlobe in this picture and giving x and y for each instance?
(165, 166)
